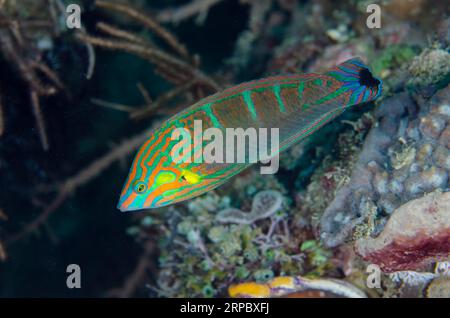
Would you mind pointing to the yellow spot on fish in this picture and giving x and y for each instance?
(191, 177)
(164, 177)
(249, 290)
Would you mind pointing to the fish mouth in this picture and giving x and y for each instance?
(123, 208)
(128, 209)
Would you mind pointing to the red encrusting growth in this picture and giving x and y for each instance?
(414, 254)
(413, 237)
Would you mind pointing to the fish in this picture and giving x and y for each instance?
(297, 105)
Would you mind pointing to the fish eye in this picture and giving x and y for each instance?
(183, 178)
(140, 187)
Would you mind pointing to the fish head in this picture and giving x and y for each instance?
(153, 189)
(155, 182)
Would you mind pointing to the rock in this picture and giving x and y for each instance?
(404, 156)
(439, 288)
(416, 234)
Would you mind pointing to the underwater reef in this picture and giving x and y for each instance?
(371, 188)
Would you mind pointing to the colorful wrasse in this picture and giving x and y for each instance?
(297, 104)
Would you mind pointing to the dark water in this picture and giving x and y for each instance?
(87, 229)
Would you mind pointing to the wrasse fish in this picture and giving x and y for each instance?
(296, 104)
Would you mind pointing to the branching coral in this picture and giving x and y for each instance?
(246, 42)
(66, 188)
(138, 275)
(177, 66)
(19, 46)
(198, 8)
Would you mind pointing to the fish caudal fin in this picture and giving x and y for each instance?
(356, 76)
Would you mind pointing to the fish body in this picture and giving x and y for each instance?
(297, 105)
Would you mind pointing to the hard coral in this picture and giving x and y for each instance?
(430, 67)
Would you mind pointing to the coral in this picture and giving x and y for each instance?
(22, 45)
(298, 287)
(439, 288)
(402, 132)
(417, 233)
(405, 9)
(334, 170)
(139, 273)
(442, 268)
(335, 54)
(411, 278)
(265, 204)
(316, 255)
(64, 189)
(432, 66)
(198, 8)
(418, 284)
(392, 58)
(177, 66)
(246, 42)
(167, 64)
(198, 251)
(251, 181)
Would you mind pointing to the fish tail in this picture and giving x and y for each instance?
(357, 77)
